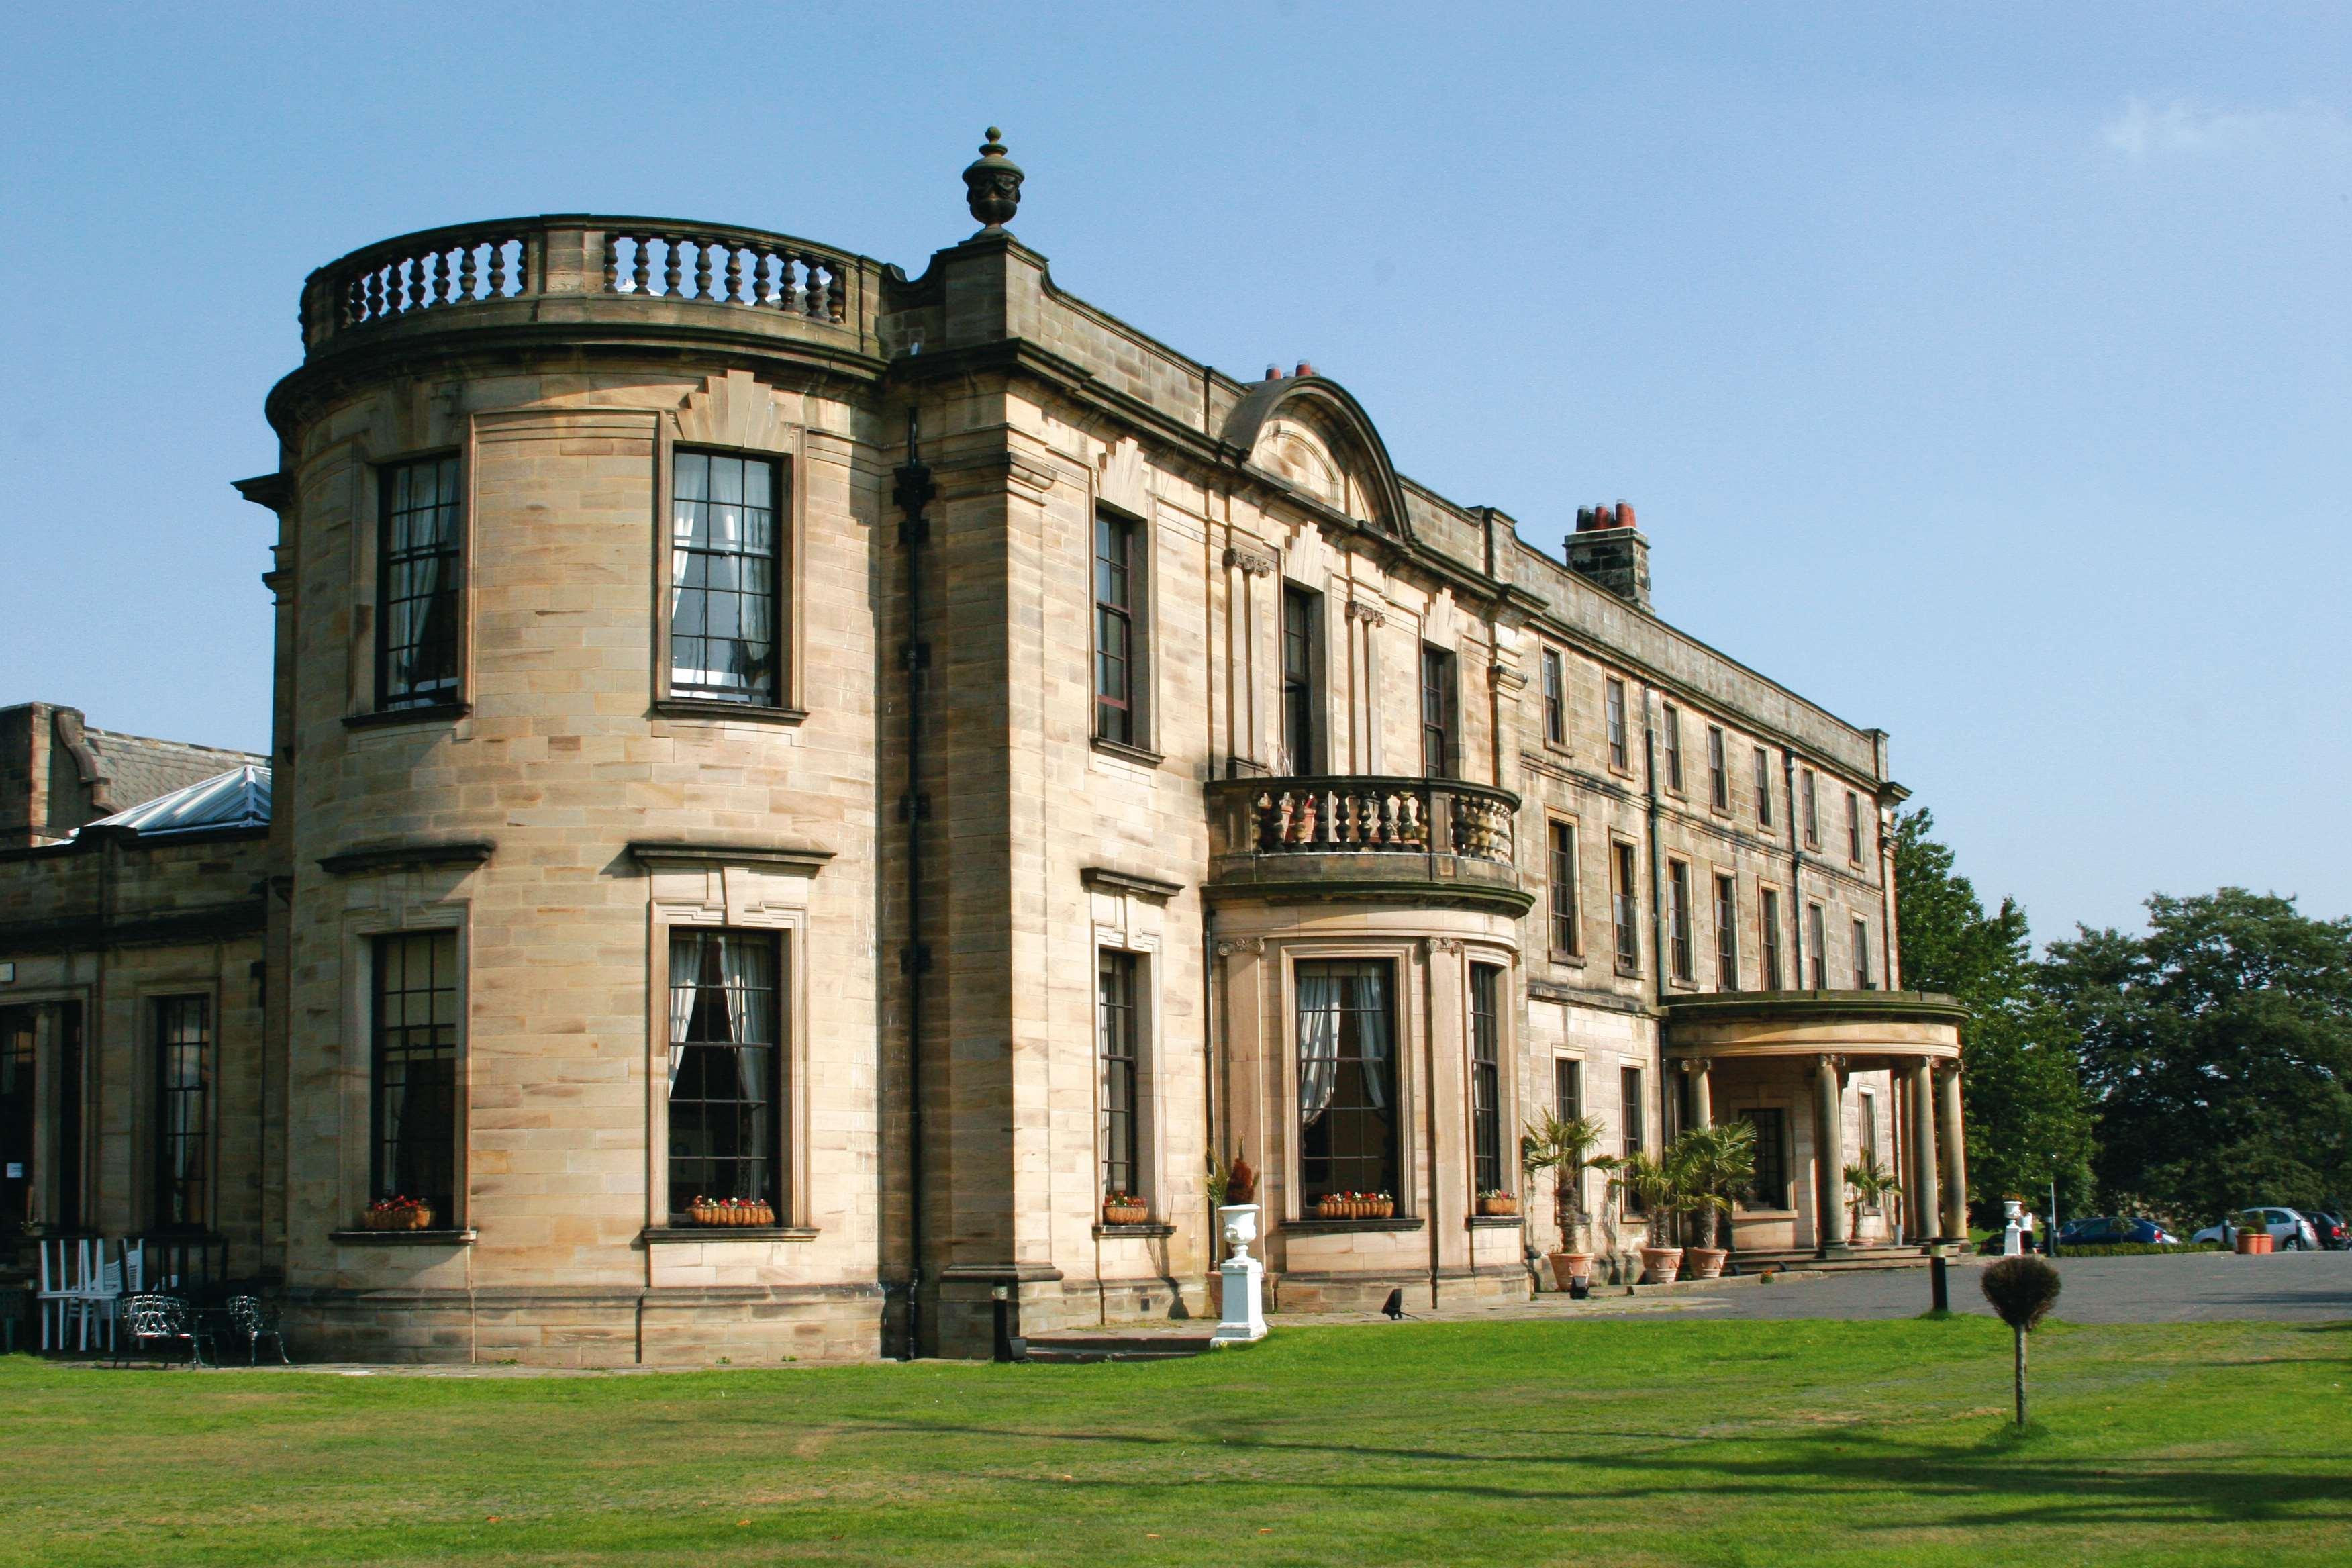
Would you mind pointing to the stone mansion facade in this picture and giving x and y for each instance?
(896, 763)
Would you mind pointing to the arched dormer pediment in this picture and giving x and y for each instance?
(1307, 435)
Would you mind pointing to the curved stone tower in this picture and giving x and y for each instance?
(576, 706)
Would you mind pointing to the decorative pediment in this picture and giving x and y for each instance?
(1305, 434)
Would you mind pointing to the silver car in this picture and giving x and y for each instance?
(2290, 1232)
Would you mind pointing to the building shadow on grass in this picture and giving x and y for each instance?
(1998, 1479)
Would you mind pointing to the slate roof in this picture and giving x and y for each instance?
(139, 768)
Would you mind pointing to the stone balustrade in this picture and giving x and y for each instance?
(1346, 836)
(502, 271)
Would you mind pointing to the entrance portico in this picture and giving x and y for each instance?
(1829, 1078)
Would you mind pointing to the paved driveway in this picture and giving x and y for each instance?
(2287, 1286)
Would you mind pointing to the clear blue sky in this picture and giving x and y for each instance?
(1983, 373)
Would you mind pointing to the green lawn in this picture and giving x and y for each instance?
(1586, 1442)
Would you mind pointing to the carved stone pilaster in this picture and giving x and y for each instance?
(1254, 562)
(1359, 611)
(1229, 946)
(1434, 945)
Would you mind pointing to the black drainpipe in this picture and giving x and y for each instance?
(1795, 871)
(1657, 913)
(914, 490)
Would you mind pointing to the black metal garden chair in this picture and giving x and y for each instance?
(142, 1319)
(256, 1321)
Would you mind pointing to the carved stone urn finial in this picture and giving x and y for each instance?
(992, 183)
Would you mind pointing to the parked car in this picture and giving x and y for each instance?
(2110, 1230)
(2290, 1232)
(2333, 1235)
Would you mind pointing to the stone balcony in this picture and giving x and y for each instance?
(586, 276)
(1428, 842)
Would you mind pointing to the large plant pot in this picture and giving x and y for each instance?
(1707, 1262)
(1568, 1266)
(2253, 1243)
(1661, 1264)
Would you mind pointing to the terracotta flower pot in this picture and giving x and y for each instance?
(1661, 1264)
(1707, 1262)
(1568, 1266)
(2254, 1243)
(1498, 1207)
(1125, 1214)
(399, 1219)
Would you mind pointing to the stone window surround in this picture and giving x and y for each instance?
(1621, 887)
(736, 887)
(1510, 1005)
(1143, 616)
(146, 1090)
(1553, 817)
(786, 449)
(1681, 924)
(46, 1195)
(1770, 939)
(398, 912)
(1552, 659)
(364, 700)
(1617, 686)
(1125, 918)
(1728, 871)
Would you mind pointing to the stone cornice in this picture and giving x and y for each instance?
(385, 857)
(1104, 879)
(650, 853)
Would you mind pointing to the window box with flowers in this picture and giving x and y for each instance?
(397, 1213)
(731, 1212)
(1125, 1208)
(1497, 1203)
(1355, 1206)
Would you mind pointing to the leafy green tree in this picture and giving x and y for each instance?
(2022, 1087)
(2219, 1049)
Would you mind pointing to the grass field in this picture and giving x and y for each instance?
(1585, 1442)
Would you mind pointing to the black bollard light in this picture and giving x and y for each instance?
(1938, 1284)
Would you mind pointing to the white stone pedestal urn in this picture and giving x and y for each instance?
(2012, 1231)
(1245, 1279)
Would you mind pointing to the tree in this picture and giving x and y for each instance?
(1870, 1181)
(2219, 1050)
(2028, 1117)
(1712, 1166)
(1564, 1146)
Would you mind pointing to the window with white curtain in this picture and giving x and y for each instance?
(725, 579)
(418, 554)
(726, 1056)
(1347, 1079)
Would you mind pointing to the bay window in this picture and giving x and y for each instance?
(1347, 1111)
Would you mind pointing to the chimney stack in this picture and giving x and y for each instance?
(1609, 550)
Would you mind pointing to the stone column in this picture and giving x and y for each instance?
(1702, 1099)
(1953, 1140)
(1921, 1205)
(1829, 1157)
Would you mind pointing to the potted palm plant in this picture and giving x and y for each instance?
(1712, 1165)
(1646, 1178)
(1565, 1147)
(1871, 1182)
